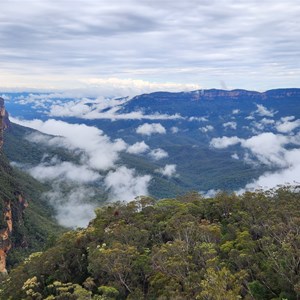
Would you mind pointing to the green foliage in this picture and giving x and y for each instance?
(221, 285)
(33, 226)
(257, 290)
(227, 247)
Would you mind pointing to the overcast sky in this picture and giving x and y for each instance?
(253, 44)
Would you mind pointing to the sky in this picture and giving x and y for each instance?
(145, 45)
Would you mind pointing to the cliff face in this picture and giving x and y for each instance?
(12, 209)
(4, 121)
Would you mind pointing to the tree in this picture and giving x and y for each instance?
(221, 285)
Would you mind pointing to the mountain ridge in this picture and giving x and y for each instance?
(234, 92)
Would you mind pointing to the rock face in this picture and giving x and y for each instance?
(4, 121)
(12, 209)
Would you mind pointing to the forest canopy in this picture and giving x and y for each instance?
(190, 247)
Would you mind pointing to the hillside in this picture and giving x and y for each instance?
(27, 222)
(195, 173)
(226, 247)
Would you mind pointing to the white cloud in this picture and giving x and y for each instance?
(258, 126)
(41, 100)
(224, 142)
(97, 152)
(168, 171)
(72, 208)
(71, 109)
(124, 184)
(266, 121)
(235, 111)
(199, 119)
(100, 152)
(268, 148)
(264, 112)
(158, 154)
(103, 108)
(289, 175)
(131, 87)
(174, 129)
(210, 193)
(235, 156)
(138, 148)
(5, 97)
(286, 124)
(65, 171)
(287, 118)
(149, 129)
(206, 129)
(231, 125)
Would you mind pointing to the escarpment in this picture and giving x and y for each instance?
(12, 204)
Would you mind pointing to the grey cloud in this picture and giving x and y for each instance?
(244, 42)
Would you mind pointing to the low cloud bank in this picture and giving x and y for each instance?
(101, 152)
(72, 208)
(74, 104)
(287, 124)
(125, 184)
(274, 150)
(64, 170)
(95, 153)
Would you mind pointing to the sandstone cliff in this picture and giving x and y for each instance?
(12, 208)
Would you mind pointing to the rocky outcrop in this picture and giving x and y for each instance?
(4, 121)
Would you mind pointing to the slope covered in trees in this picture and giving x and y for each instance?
(226, 247)
(26, 221)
